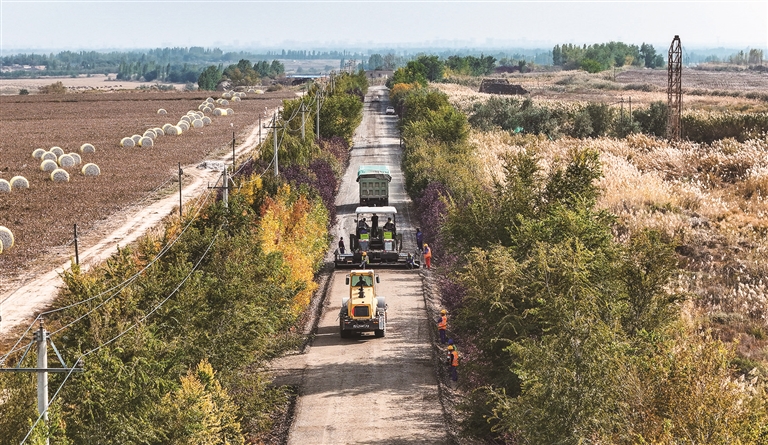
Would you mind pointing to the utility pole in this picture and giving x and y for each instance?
(303, 120)
(224, 186)
(181, 172)
(77, 254)
(41, 338)
(233, 153)
(274, 128)
(317, 126)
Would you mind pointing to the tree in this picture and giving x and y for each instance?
(209, 78)
(376, 62)
(433, 67)
(648, 53)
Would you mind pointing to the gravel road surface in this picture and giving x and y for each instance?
(366, 390)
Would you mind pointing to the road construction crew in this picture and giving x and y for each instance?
(428, 255)
(453, 362)
(364, 260)
(442, 325)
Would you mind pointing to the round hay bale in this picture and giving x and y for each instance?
(197, 123)
(208, 109)
(201, 107)
(87, 148)
(19, 183)
(224, 102)
(48, 156)
(59, 175)
(162, 111)
(186, 119)
(149, 134)
(259, 91)
(91, 170)
(77, 157)
(58, 151)
(166, 127)
(236, 99)
(146, 142)
(127, 142)
(159, 131)
(5, 186)
(209, 100)
(66, 161)
(219, 112)
(184, 125)
(38, 153)
(136, 138)
(48, 165)
(226, 95)
(207, 120)
(178, 130)
(6, 238)
(230, 112)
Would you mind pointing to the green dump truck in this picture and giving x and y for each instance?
(373, 183)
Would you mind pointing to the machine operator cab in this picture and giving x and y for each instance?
(376, 234)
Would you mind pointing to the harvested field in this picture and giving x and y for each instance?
(42, 217)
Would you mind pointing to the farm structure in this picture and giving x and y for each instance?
(42, 217)
(501, 86)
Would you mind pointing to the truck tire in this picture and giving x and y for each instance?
(379, 332)
(342, 332)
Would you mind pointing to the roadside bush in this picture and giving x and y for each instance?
(54, 88)
(23, 92)
(652, 120)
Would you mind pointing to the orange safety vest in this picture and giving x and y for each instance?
(428, 252)
(455, 360)
(443, 324)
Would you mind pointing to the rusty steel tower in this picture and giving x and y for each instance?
(674, 90)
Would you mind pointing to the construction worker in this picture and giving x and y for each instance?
(442, 325)
(428, 255)
(453, 362)
(364, 260)
(419, 239)
(341, 245)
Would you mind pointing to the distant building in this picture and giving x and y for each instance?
(379, 74)
(501, 86)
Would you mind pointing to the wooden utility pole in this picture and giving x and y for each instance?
(274, 128)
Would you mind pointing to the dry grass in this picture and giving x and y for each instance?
(712, 199)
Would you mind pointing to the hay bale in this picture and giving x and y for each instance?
(235, 99)
(136, 138)
(259, 91)
(150, 133)
(19, 183)
(197, 123)
(59, 175)
(207, 120)
(146, 142)
(58, 151)
(5, 186)
(230, 112)
(166, 127)
(6, 238)
(90, 170)
(38, 153)
(127, 142)
(159, 131)
(226, 95)
(178, 130)
(66, 161)
(48, 165)
(224, 102)
(183, 125)
(209, 100)
(186, 119)
(77, 158)
(48, 156)
(87, 148)
(219, 112)
(208, 109)
(201, 107)
(162, 111)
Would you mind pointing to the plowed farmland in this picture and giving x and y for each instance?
(42, 217)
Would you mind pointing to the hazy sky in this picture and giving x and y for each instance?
(94, 25)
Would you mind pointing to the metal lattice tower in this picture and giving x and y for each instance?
(675, 90)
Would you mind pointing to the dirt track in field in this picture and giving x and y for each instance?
(367, 390)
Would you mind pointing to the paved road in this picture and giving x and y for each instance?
(368, 390)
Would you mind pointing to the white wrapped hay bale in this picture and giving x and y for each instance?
(197, 123)
(58, 151)
(235, 99)
(166, 127)
(48, 165)
(49, 156)
(91, 170)
(207, 109)
(162, 111)
(87, 148)
(259, 91)
(183, 125)
(224, 102)
(66, 161)
(77, 158)
(206, 120)
(59, 175)
(19, 183)
(5, 186)
(186, 119)
(6, 239)
(127, 142)
(201, 107)
(158, 131)
(230, 112)
(146, 142)
(136, 138)
(38, 153)
(149, 134)
(219, 112)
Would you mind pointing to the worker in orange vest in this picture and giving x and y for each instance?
(453, 362)
(442, 325)
(428, 255)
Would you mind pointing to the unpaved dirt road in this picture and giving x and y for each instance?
(366, 390)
